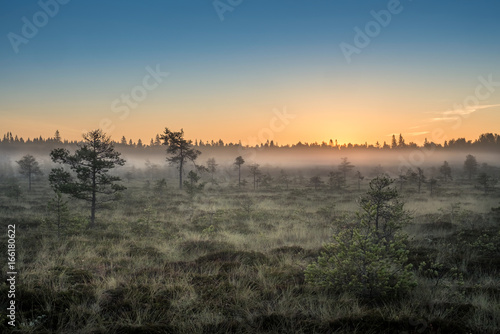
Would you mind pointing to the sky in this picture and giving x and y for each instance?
(251, 70)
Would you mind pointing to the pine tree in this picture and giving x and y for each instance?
(91, 164)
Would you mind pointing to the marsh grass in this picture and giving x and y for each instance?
(232, 261)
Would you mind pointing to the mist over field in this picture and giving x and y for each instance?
(250, 166)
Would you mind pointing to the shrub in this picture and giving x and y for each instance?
(369, 260)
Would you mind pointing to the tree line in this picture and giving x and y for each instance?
(486, 141)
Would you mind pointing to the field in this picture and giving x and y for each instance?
(232, 260)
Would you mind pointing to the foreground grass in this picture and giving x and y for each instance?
(232, 262)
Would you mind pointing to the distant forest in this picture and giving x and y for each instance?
(486, 141)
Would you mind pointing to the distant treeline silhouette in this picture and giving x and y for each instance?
(486, 141)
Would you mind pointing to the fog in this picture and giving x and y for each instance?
(308, 160)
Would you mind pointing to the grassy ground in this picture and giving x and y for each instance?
(232, 261)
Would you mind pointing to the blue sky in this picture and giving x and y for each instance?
(230, 74)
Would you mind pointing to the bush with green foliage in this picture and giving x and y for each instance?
(369, 260)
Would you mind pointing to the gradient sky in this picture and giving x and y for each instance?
(228, 78)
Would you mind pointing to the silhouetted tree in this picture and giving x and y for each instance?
(336, 180)
(360, 178)
(212, 168)
(180, 149)
(238, 162)
(91, 163)
(401, 142)
(28, 166)
(57, 137)
(254, 171)
(420, 178)
(345, 167)
(416, 177)
(192, 187)
(284, 178)
(266, 180)
(316, 182)
(445, 170)
(486, 181)
(470, 166)
(59, 207)
(432, 184)
(394, 143)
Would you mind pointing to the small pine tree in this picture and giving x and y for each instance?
(368, 260)
(192, 187)
(59, 208)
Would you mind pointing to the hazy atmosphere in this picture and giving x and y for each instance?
(250, 166)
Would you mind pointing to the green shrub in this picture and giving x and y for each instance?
(356, 262)
(369, 260)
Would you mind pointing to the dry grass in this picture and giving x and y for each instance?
(233, 261)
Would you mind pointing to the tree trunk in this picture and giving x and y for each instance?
(93, 203)
(180, 174)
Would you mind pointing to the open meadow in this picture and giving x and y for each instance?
(229, 259)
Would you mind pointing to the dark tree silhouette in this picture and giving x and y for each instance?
(420, 178)
(254, 171)
(445, 170)
(57, 137)
(316, 182)
(59, 207)
(486, 181)
(238, 162)
(470, 166)
(284, 178)
(91, 163)
(432, 184)
(401, 142)
(180, 149)
(345, 167)
(212, 168)
(360, 178)
(28, 167)
(394, 143)
(336, 180)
